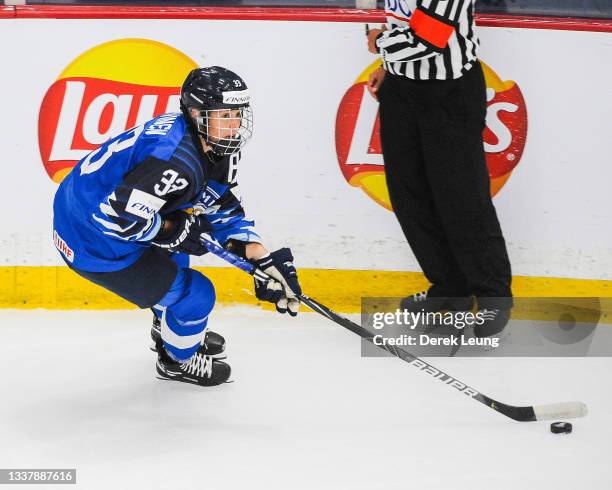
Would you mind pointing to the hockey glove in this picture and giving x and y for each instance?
(184, 235)
(284, 289)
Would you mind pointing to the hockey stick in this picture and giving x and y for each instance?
(522, 414)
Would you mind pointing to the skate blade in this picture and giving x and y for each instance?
(196, 384)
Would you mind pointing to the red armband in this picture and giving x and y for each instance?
(429, 29)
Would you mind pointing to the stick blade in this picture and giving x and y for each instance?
(567, 410)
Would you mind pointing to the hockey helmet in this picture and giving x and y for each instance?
(222, 101)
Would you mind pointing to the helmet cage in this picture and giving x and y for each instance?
(225, 130)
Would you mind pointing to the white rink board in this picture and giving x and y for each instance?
(556, 208)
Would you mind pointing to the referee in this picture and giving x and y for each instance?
(433, 106)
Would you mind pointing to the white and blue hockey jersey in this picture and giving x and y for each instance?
(110, 207)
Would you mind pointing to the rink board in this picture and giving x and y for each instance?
(548, 149)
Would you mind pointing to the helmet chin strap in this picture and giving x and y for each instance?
(205, 145)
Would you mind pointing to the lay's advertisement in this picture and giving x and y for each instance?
(313, 175)
(94, 100)
(358, 144)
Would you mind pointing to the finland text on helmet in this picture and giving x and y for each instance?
(218, 102)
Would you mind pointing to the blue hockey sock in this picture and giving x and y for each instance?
(185, 309)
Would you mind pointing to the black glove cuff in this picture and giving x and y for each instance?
(175, 218)
(237, 247)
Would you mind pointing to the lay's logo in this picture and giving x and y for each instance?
(358, 145)
(103, 92)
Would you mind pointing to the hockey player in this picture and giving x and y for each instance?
(120, 221)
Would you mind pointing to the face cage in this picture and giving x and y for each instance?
(226, 131)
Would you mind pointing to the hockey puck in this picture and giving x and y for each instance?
(561, 428)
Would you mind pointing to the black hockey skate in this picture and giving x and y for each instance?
(494, 321)
(214, 343)
(430, 304)
(199, 369)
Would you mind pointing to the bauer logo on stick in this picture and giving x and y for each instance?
(103, 92)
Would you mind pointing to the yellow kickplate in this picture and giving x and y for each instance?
(341, 290)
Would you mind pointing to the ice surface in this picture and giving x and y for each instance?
(78, 390)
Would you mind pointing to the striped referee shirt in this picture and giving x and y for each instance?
(429, 39)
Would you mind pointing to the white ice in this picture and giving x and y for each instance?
(306, 411)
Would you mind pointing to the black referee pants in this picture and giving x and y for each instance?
(431, 134)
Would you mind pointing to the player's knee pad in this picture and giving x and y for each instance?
(186, 307)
